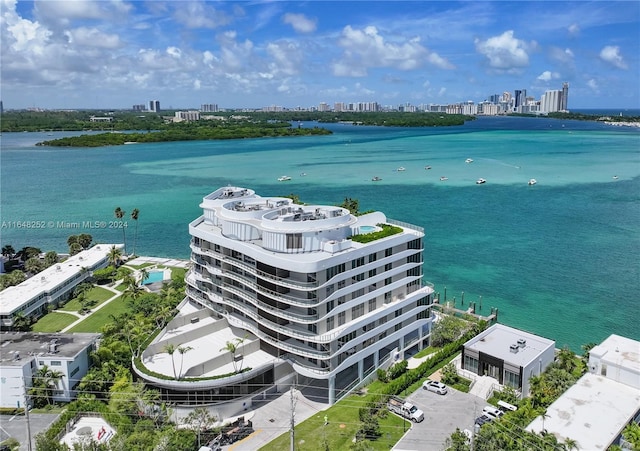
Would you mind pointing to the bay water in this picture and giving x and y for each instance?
(559, 258)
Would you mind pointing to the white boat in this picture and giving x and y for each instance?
(427, 167)
(480, 181)
(443, 178)
(468, 160)
(284, 178)
(303, 174)
(376, 179)
(400, 169)
(615, 177)
(533, 182)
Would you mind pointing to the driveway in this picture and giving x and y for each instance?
(442, 415)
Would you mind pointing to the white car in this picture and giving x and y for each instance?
(492, 412)
(435, 386)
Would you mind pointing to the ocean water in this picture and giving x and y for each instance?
(560, 258)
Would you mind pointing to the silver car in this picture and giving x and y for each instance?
(435, 386)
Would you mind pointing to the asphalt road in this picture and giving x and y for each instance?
(16, 427)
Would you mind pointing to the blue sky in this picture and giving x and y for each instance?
(116, 53)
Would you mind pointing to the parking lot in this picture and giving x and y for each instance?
(442, 415)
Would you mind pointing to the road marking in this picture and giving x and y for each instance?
(244, 439)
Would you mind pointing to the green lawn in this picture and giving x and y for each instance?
(344, 422)
(53, 322)
(425, 352)
(143, 265)
(96, 320)
(96, 293)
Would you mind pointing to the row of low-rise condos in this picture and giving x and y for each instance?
(52, 286)
(306, 300)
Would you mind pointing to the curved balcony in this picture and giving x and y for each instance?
(291, 283)
(187, 385)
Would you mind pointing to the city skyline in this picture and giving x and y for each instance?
(98, 54)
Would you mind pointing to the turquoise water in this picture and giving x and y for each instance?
(153, 276)
(559, 258)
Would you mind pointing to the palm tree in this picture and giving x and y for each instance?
(8, 251)
(84, 240)
(170, 349)
(45, 381)
(21, 322)
(33, 265)
(566, 359)
(50, 258)
(143, 274)
(571, 444)
(75, 248)
(119, 214)
(230, 346)
(183, 350)
(114, 256)
(134, 215)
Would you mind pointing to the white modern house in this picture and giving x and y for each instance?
(301, 290)
(597, 408)
(51, 286)
(509, 355)
(24, 353)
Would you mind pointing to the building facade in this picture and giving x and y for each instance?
(304, 281)
(511, 356)
(24, 353)
(52, 286)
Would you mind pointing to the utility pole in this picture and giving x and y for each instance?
(293, 415)
(26, 413)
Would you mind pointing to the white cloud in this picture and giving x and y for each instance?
(440, 62)
(563, 56)
(199, 15)
(504, 52)
(593, 84)
(366, 48)
(611, 55)
(442, 92)
(197, 84)
(573, 29)
(287, 57)
(548, 76)
(300, 22)
(174, 52)
(92, 37)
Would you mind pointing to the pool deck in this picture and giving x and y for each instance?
(173, 262)
(88, 428)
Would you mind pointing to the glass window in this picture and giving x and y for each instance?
(471, 364)
(294, 240)
(341, 318)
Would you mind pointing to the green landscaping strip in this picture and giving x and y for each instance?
(54, 322)
(96, 294)
(99, 318)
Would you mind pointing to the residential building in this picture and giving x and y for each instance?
(511, 356)
(154, 105)
(311, 301)
(551, 101)
(209, 108)
(101, 119)
(52, 286)
(596, 409)
(181, 116)
(24, 353)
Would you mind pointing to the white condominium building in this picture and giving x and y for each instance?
(333, 294)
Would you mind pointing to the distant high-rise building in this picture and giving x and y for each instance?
(519, 99)
(564, 101)
(209, 108)
(154, 105)
(550, 101)
(323, 106)
(139, 107)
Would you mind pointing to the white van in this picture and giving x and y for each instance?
(504, 406)
(492, 412)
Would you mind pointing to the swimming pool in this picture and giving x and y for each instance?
(154, 276)
(368, 229)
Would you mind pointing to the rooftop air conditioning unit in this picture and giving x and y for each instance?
(514, 348)
(522, 342)
(53, 348)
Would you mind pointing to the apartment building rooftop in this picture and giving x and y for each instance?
(46, 281)
(17, 346)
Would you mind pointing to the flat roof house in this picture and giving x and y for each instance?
(597, 408)
(304, 291)
(509, 355)
(24, 353)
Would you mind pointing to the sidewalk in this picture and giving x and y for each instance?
(82, 318)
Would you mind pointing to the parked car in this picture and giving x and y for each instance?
(492, 412)
(482, 419)
(435, 386)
